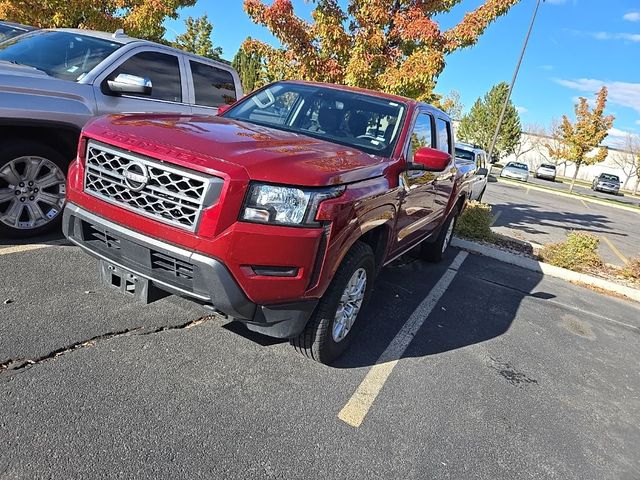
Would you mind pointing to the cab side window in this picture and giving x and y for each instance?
(213, 86)
(161, 68)
(444, 135)
(422, 135)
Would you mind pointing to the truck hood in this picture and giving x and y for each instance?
(8, 68)
(266, 154)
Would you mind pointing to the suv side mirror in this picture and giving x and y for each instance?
(223, 108)
(430, 159)
(132, 84)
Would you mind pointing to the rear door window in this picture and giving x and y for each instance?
(161, 68)
(444, 135)
(213, 86)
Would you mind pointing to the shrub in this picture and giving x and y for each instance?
(578, 252)
(475, 222)
(632, 269)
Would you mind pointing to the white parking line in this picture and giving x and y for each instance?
(30, 246)
(358, 406)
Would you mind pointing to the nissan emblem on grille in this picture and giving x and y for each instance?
(135, 176)
(155, 189)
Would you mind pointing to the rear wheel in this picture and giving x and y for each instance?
(433, 252)
(32, 189)
(331, 328)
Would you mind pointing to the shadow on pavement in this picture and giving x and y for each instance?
(531, 219)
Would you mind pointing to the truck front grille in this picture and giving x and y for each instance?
(152, 188)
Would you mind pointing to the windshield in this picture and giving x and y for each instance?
(612, 178)
(546, 165)
(63, 55)
(464, 154)
(519, 166)
(356, 120)
(10, 31)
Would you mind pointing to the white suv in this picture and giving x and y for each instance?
(52, 82)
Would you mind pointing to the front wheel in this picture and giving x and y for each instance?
(331, 328)
(433, 252)
(32, 188)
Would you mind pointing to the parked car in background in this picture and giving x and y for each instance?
(606, 182)
(546, 171)
(515, 170)
(477, 158)
(10, 29)
(279, 213)
(52, 82)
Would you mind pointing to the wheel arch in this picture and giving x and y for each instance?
(60, 136)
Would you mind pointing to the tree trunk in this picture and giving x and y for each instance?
(573, 180)
(635, 190)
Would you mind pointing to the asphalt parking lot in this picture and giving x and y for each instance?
(542, 217)
(510, 375)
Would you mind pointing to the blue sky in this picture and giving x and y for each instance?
(576, 46)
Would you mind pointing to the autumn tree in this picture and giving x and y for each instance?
(580, 142)
(250, 66)
(452, 104)
(479, 125)
(139, 18)
(395, 46)
(197, 38)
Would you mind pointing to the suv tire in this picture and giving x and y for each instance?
(30, 192)
(322, 339)
(434, 251)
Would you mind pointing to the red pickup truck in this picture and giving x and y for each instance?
(279, 212)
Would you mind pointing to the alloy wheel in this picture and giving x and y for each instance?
(350, 305)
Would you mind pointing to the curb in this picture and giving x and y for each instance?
(545, 268)
(568, 195)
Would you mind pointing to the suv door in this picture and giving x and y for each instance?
(417, 217)
(164, 69)
(212, 86)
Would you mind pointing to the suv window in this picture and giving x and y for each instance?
(161, 68)
(442, 129)
(213, 86)
(422, 135)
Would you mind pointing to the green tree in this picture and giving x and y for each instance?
(139, 18)
(581, 141)
(197, 38)
(479, 125)
(250, 67)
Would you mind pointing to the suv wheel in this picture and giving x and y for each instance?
(331, 328)
(433, 252)
(32, 188)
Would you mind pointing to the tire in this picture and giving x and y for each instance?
(434, 252)
(38, 172)
(318, 340)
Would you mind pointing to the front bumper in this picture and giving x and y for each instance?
(514, 176)
(181, 272)
(607, 188)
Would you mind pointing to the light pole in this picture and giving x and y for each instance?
(513, 81)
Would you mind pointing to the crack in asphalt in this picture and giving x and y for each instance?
(17, 365)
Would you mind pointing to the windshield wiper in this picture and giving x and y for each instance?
(13, 62)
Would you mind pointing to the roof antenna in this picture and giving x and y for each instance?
(118, 33)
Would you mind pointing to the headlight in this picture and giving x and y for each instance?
(282, 205)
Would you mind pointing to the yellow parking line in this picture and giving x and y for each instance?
(496, 217)
(585, 204)
(615, 250)
(356, 409)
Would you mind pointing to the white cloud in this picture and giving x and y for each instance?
(521, 109)
(618, 133)
(602, 35)
(620, 93)
(632, 17)
(637, 122)
(548, 68)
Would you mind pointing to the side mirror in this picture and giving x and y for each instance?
(131, 84)
(223, 108)
(482, 172)
(430, 159)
